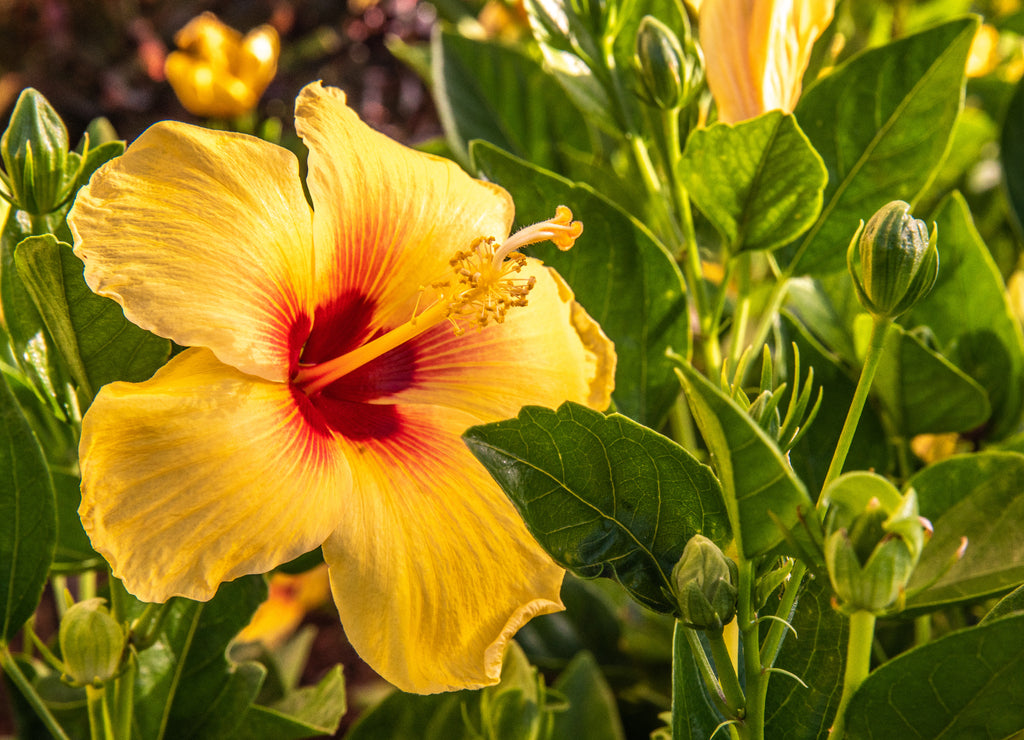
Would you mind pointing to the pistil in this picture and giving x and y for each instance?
(481, 286)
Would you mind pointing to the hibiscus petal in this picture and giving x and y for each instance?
(201, 475)
(203, 237)
(545, 353)
(386, 218)
(432, 569)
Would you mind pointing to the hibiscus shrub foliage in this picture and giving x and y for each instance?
(787, 504)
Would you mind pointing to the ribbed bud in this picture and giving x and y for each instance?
(669, 71)
(873, 540)
(705, 585)
(893, 261)
(92, 643)
(34, 149)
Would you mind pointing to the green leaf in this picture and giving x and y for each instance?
(74, 551)
(185, 686)
(410, 716)
(978, 496)
(602, 494)
(28, 517)
(620, 273)
(314, 710)
(760, 487)
(922, 390)
(1009, 605)
(817, 654)
(1011, 152)
(592, 712)
(759, 182)
(98, 343)
(492, 92)
(20, 317)
(969, 317)
(881, 123)
(965, 685)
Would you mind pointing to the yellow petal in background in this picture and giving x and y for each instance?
(201, 475)
(387, 218)
(432, 569)
(756, 52)
(203, 237)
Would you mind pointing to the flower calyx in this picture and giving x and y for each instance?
(873, 541)
(92, 644)
(704, 581)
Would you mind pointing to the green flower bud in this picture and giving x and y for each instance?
(893, 260)
(705, 585)
(670, 72)
(92, 643)
(873, 540)
(34, 149)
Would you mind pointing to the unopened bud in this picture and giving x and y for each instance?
(670, 71)
(893, 261)
(705, 585)
(873, 540)
(92, 643)
(34, 149)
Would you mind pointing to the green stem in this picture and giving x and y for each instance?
(124, 700)
(742, 316)
(726, 671)
(860, 397)
(756, 676)
(707, 673)
(13, 671)
(770, 647)
(858, 664)
(99, 714)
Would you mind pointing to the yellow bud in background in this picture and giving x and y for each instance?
(217, 71)
(756, 52)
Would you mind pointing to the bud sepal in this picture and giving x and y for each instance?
(704, 581)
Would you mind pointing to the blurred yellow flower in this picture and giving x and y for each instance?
(984, 54)
(218, 72)
(756, 52)
(337, 355)
(289, 599)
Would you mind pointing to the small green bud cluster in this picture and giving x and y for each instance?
(670, 71)
(873, 540)
(92, 644)
(41, 174)
(893, 261)
(705, 585)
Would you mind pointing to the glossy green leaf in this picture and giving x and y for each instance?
(759, 182)
(625, 279)
(74, 551)
(881, 122)
(28, 518)
(965, 685)
(602, 494)
(98, 343)
(314, 710)
(404, 716)
(980, 497)
(492, 92)
(759, 486)
(20, 318)
(969, 317)
(185, 686)
(812, 455)
(592, 712)
(922, 391)
(817, 654)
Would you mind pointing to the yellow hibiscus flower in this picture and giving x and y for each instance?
(218, 72)
(337, 354)
(756, 52)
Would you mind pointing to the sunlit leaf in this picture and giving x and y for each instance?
(603, 495)
(314, 710)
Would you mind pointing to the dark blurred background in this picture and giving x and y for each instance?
(95, 58)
